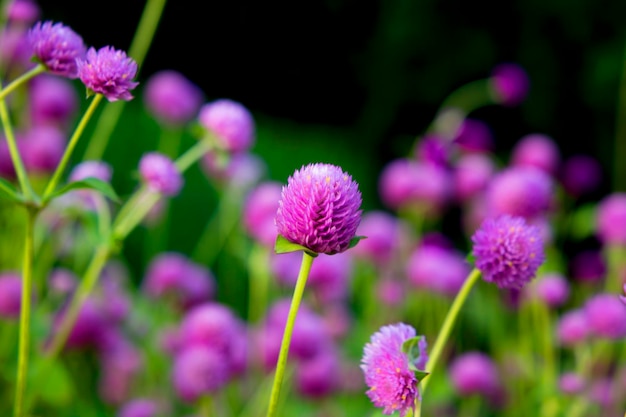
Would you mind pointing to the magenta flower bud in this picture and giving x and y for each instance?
(57, 47)
(24, 12)
(382, 231)
(588, 266)
(10, 296)
(392, 384)
(43, 149)
(259, 211)
(199, 371)
(89, 329)
(433, 149)
(611, 219)
(120, 364)
(471, 175)
(404, 182)
(606, 316)
(139, 407)
(320, 209)
(171, 98)
(552, 289)
(520, 191)
(318, 376)
(91, 169)
(160, 174)
(437, 269)
(581, 174)
(475, 373)
(571, 383)
(573, 328)
(231, 124)
(538, 151)
(53, 101)
(474, 136)
(108, 72)
(509, 83)
(508, 251)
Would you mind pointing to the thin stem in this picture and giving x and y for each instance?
(21, 80)
(448, 324)
(24, 338)
(70, 147)
(193, 154)
(138, 49)
(259, 282)
(305, 268)
(144, 203)
(18, 164)
(84, 289)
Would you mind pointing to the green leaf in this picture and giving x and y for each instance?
(88, 183)
(285, 246)
(410, 347)
(355, 241)
(52, 382)
(9, 192)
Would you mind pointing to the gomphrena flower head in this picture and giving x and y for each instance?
(199, 371)
(537, 150)
(475, 373)
(320, 375)
(172, 98)
(509, 83)
(508, 251)
(57, 47)
(606, 316)
(472, 174)
(230, 122)
(139, 407)
(10, 295)
(388, 372)
(570, 383)
(383, 232)
(551, 289)
(611, 219)
(53, 101)
(23, 12)
(437, 269)
(259, 211)
(160, 174)
(109, 72)
(573, 328)
(474, 136)
(320, 209)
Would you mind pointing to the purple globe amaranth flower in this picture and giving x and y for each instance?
(320, 209)
(433, 149)
(91, 169)
(53, 101)
(57, 47)
(475, 373)
(382, 230)
(552, 289)
(508, 251)
(230, 122)
(171, 98)
(520, 191)
(42, 148)
(571, 383)
(139, 407)
(120, 365)
(437, 269)
(611, 219)
(160, 174)
(23, 12)
(572, 328)
(472, 174)
(606, 316)
(509, 84)
(318, 376)
(474, 136)
(588, 266)
(109, 72)
(10, 295)
(387, 369)
(199, 371)
(259, 211)
(581, 174)
(537, 150)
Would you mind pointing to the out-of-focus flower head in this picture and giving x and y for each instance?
(433, 149)
(383, 233)
(10, 295)
(475, 373)
(109, 72)
(606, 316)
(139, 407)
(437, 269)
(160, 174)
(552, 289)
(199, 371)
(259, 212)
(474, 136)
(509, 84)
(231, 124)
(581, 174)
(42, 149)
(573, 328)
(472, 174)
(57, 47)
(53, 101)
(22, 12)
(319, 376)
(611, 219)
(171, 98)
(539, 151)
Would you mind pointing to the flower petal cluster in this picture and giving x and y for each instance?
(171, 98)
(320, 209)
(508, 251)
(109, 72)
(392, 384)
(230, 122)
(160, 174)
(57, 47)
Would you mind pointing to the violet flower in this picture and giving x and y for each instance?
(508, 251)
(388, 373)
(230, 122)
(109, 72)
(475, 373)
(160, 174)
(10, 295)
(611, 219)
(57, 47)
(509, 83)
(537, 150)
(172, 98)
(320, 209)
(198, 371)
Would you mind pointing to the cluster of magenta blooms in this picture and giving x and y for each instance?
(167, 347)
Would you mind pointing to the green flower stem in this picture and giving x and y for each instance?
(305, 268)
(448, 324)
(84, 289)
(24, 338)
(259, 282)
(193, 154)
(136, 213)
(21, 80)
(544, 327)
(138, 49)
(54, 181)
(205, 406)
(18, 164)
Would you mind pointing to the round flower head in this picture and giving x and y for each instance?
(91, 169)
(537, 150)
(474, 136)
(572, 328)
(475, 373)
(509, 83)
(160, 174)
(520, 191)
(22, 11)
(259, 212)
(318, 376)
(199, 371)
(571, 383)
(319, 209)
(53, 100)
(433, 149)
(109, 72)
(438, 269)
(392, 384)
(611, 219)
(172, 98)
(606, 316)
(383, 232)
(552, 289)
(230, 122)
(57, 47)
(42, 148)
(139, 407)
(10, 296)
(508, 251)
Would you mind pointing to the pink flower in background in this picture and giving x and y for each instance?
(57, 47)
